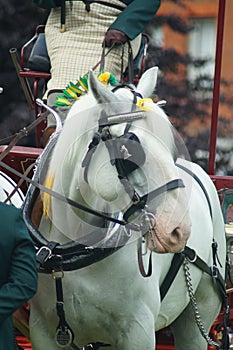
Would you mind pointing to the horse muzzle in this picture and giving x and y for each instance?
(161, 240)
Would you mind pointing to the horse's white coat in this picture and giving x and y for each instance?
(110, 301)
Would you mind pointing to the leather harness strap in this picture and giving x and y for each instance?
(196, 178)
(140, 261)
(171, 185)
(64, 335)
(63, 198)
(191, 255)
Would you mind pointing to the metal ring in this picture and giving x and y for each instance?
(194, 259)
(57, 274)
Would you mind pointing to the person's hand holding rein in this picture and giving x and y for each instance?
(115, 37)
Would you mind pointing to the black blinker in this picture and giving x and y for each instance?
(129, 154)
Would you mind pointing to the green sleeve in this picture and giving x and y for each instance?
(135, 17)
(20, 263)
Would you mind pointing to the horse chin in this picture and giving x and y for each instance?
(154, 244)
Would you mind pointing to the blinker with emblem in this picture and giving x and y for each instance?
(129, 154)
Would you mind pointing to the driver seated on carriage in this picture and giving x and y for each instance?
(86, 26)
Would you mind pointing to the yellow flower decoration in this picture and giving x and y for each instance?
(104, 78)
(107, 78)
(141, 104)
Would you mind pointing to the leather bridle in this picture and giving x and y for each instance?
(123, 166)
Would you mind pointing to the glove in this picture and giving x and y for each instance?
(114, 36)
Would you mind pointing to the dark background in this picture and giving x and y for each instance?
(18, 20)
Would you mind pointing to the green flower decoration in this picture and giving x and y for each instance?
(61, 101)
(74, 91)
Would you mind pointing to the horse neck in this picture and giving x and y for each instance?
(66, 222)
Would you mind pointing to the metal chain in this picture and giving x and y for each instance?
(195, 307)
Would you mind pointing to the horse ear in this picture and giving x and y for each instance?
(147, 83)
(100, 92)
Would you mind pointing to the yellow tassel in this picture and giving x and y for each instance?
(47, 210)
(142, 101)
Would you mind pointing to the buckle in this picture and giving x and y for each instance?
(215, 272)
(43, 254)
(136, 198)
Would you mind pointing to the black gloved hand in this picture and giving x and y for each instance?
(114, 36)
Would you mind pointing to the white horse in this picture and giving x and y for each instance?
(109, 301)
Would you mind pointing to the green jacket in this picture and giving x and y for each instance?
(132, 20)
(135, 17)
(18, 273)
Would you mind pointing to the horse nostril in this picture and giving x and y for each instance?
(176, 235)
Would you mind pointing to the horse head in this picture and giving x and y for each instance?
(123, 161)
(144, 157)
